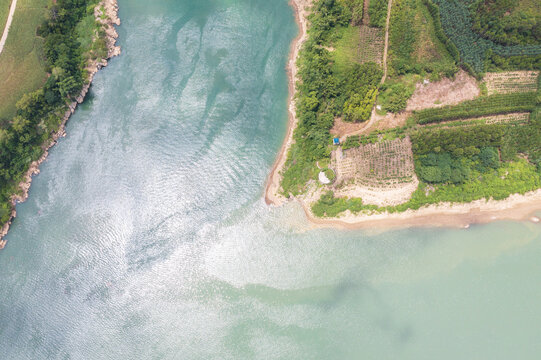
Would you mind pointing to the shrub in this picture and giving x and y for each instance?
(397, 96)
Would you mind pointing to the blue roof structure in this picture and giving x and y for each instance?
(336, 141)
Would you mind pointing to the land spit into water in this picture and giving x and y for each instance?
(515, 207)
(109, 18)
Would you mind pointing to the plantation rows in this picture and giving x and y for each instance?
(488, 105)
(510, 119)
(371, 44)
(512, 81)
(386, 160)
(457, 25)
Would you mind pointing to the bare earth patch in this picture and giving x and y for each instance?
(390, 120)
(444, 92)
(342, 128)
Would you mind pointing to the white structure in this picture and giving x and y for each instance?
(323, 178)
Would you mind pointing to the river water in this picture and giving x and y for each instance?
(146, 237)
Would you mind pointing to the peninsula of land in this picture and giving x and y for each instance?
(417, 135)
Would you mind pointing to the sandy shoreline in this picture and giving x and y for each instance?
(272, 197)
(111, 10)
(516, 207)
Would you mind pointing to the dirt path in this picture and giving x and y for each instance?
(386, 41)
(8, 25)
(366, 17)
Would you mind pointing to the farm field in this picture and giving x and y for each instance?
(511, 81)
(381, 163)
(513, 118)
(371, 44)
(358, 44)
(487, 105)
(21, 62)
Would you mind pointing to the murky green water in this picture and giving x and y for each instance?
(145, 235)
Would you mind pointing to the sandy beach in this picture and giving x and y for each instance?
(515, 207)
(111, 19)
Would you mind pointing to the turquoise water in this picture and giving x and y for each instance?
(146, 237)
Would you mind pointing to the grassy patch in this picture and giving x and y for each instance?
(90, 36)
(346, 48)
(4, 11)
(21, 62)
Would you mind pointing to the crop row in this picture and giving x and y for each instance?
(487, 105)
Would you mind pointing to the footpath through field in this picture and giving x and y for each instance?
(8, 25)
(386, 41)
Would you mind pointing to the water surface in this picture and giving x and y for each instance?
(146, 237)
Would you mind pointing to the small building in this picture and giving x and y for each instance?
(336, 141)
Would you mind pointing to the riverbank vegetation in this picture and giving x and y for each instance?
(326, 90)
(69, 37)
